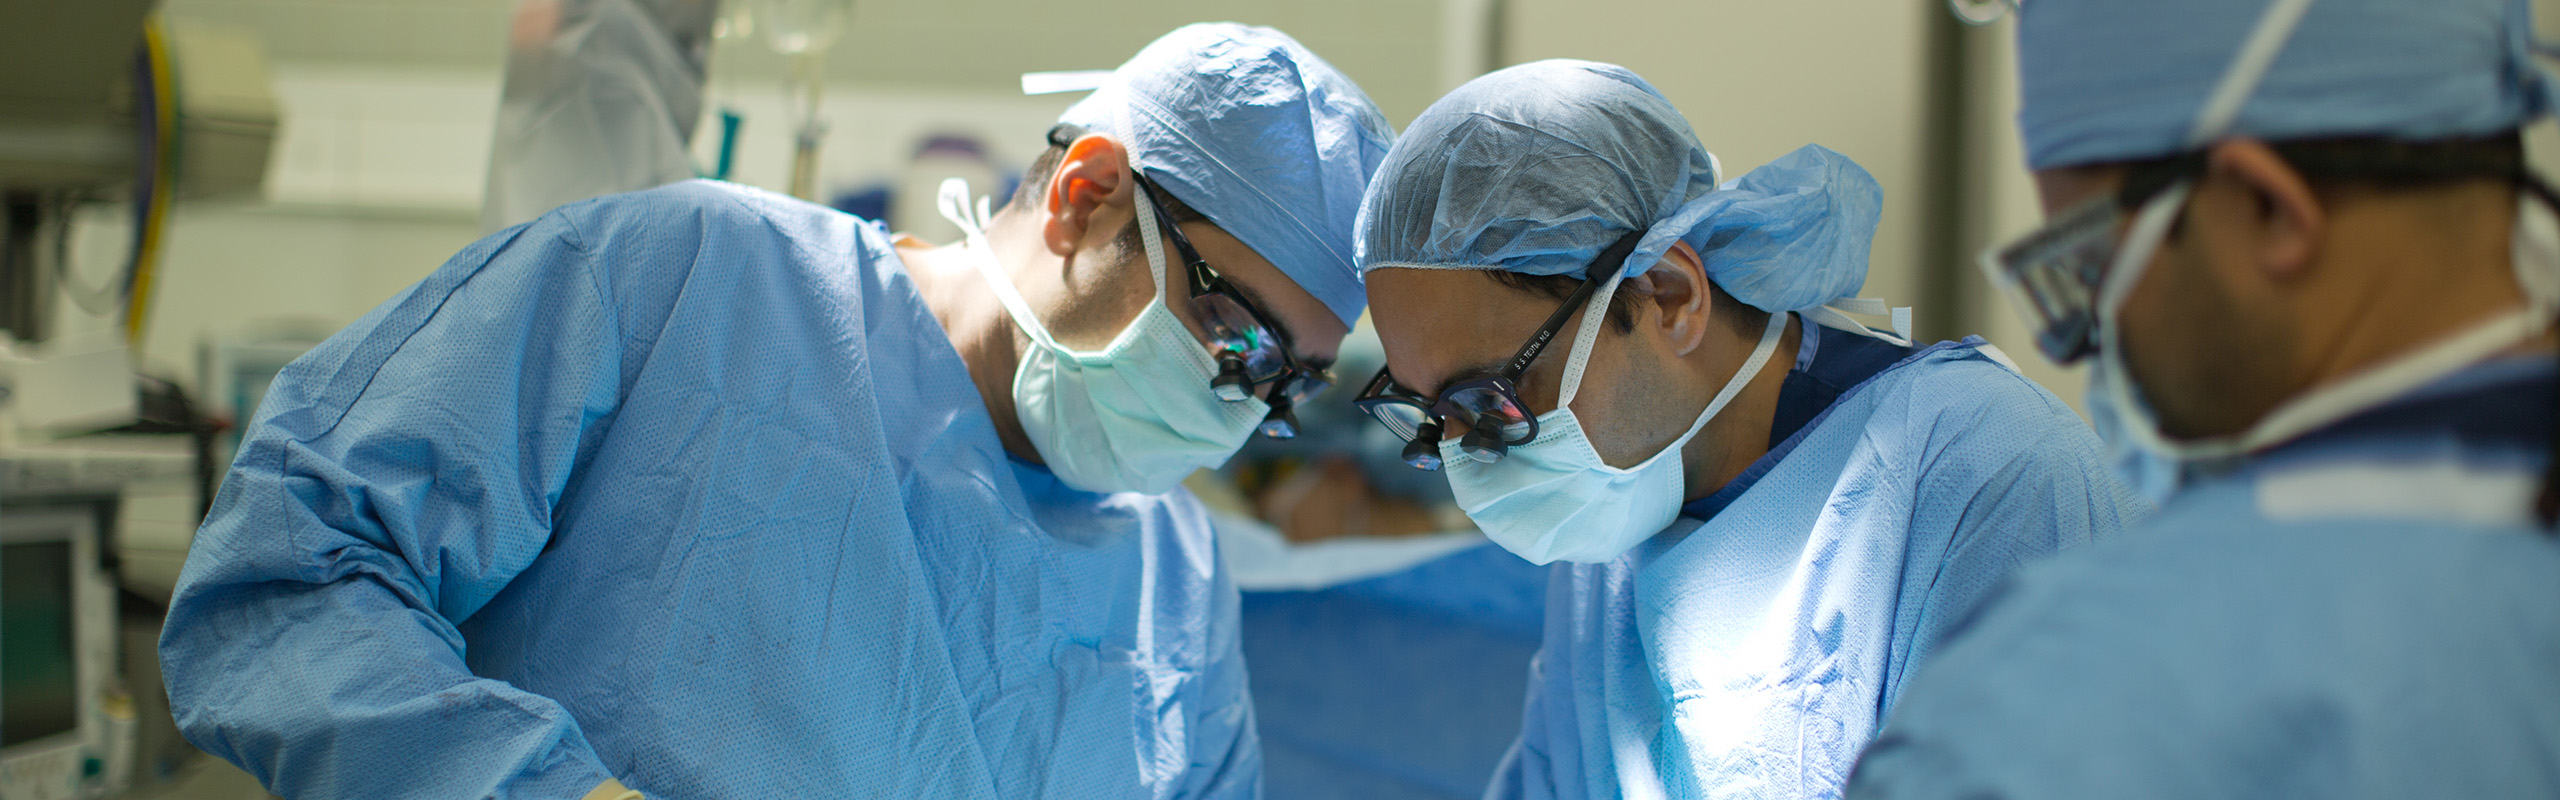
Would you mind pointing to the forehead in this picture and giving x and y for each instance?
(1315, 332)
(1438, 322)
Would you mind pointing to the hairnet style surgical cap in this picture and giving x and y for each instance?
(1251, 129)
(2121, 80)
(1537, 168)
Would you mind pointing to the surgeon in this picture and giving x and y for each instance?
(1762, 514)
(703, 492)
(2300, 243)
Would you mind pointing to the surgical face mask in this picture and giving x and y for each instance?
(1137, 415)
(2149, 473)
(1554, 499)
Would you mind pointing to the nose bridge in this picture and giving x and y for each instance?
(1455, 426)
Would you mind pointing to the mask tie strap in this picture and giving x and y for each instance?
(1836, 315)
(1153, 236)
(2248, 67)
(1770, 335)
(955, 206)
(1580, 356)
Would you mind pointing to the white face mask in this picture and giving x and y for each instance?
(1553, 498)
(1137, 415)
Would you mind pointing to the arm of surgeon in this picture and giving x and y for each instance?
(395, 480)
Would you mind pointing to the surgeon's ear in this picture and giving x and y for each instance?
(2287, 219)
(1093, 177)
(1675, 288)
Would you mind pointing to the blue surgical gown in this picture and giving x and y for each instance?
(1752, 648)
(688, 488)
(2366, 612)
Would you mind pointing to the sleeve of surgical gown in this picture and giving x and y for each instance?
(2013, 476)
(397, 478)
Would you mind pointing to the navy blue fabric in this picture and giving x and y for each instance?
(2505, 406)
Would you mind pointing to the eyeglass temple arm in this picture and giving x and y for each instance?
(1602, 268)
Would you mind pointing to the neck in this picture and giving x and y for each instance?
(1739, 434)
(989, 343)
(2431, 272)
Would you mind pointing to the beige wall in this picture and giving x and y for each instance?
(388, 105)
(1999, 198)
(1756, 79)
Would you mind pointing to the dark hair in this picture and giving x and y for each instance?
(2366, 162)
(2394, 164)
(1739, 315)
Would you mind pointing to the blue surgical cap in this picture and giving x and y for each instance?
(2122, 80)
(1537, 168)
(1247, 127)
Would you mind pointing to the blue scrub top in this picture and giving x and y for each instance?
(2369, 611)
(688, 488)
(1753, 647)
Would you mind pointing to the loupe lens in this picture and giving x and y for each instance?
(1405, 420)
(1483, 445)
(1306, 386)
(1423, 452)
(1494, 413)
(1233, 330)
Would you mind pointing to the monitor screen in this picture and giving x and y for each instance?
(39, 669)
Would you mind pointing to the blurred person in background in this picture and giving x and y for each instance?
(601, 96)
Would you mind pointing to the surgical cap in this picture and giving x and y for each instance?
(1249, 128)
(1537, 168)
(2120, 80)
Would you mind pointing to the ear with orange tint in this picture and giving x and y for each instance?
(1093, 176)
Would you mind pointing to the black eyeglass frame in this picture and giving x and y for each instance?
(1383, 391)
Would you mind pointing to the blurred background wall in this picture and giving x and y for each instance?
(387, 108)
